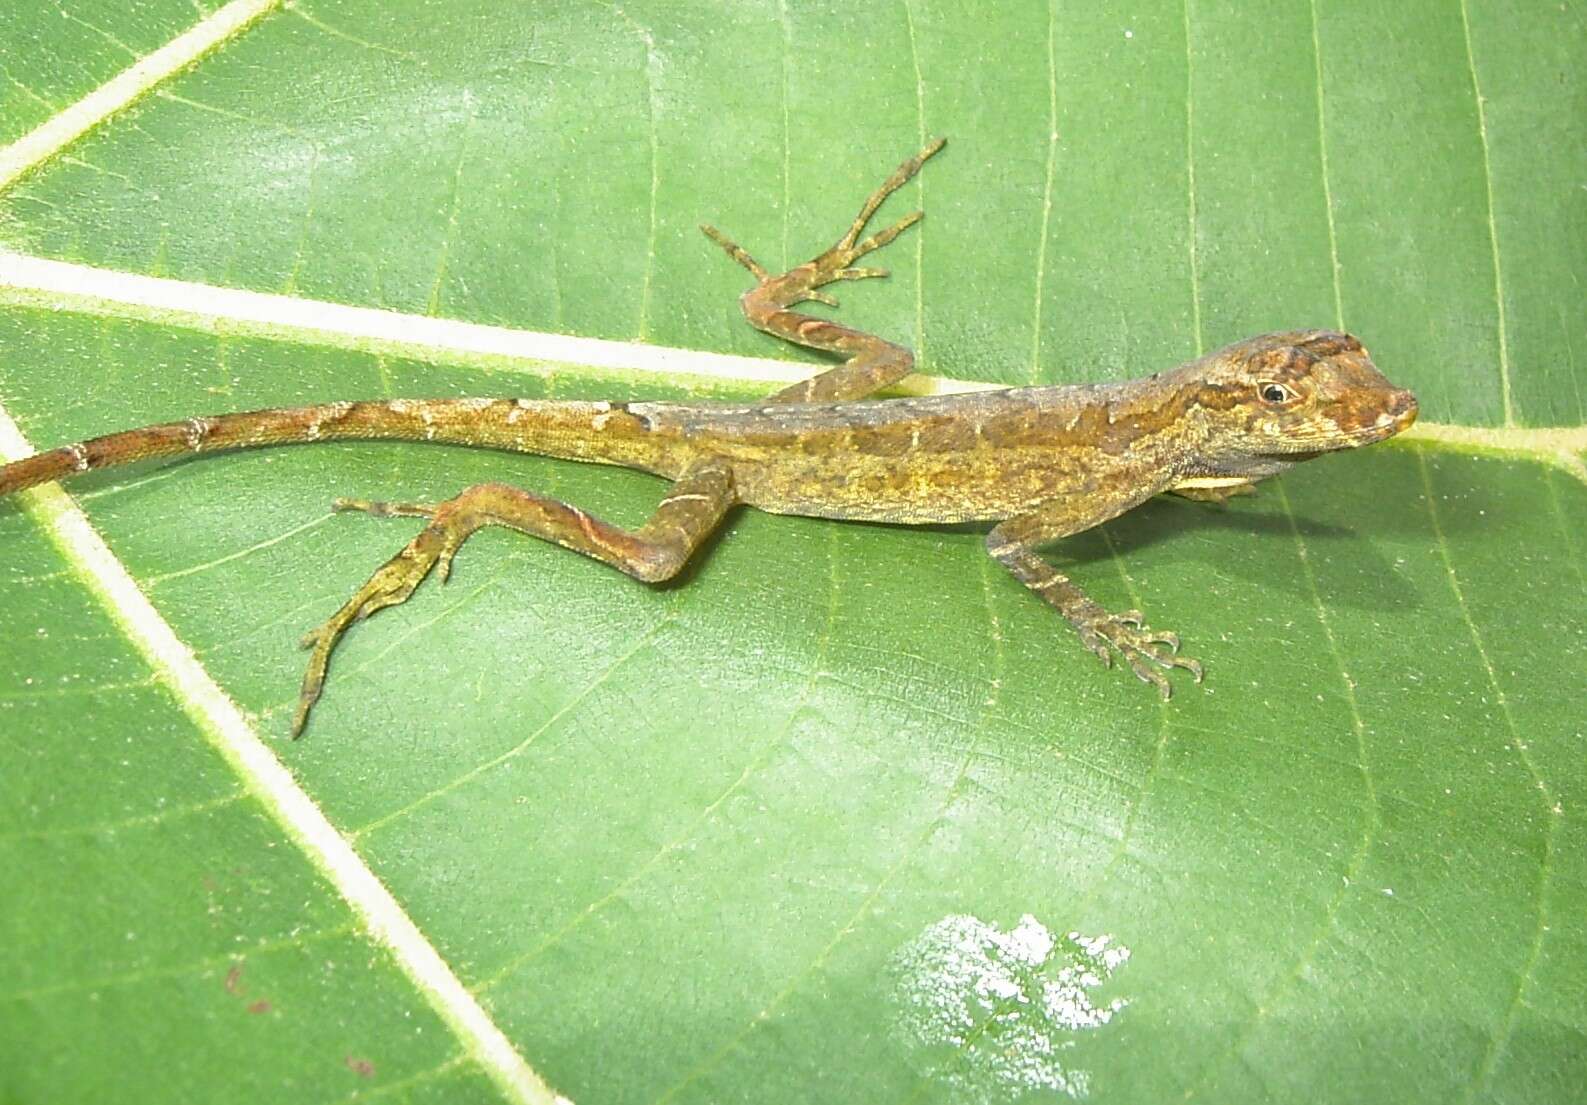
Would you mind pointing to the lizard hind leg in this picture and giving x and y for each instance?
(652, 553)
(870, 362)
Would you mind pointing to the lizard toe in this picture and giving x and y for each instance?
(860, 273)
(1166, 637)
(1148, 674)
(1145, 650)
(1170, 660)
(1097, 645)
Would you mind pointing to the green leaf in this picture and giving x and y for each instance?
(846, 815)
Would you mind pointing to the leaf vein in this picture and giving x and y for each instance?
(757, 760)
(856, 919)
(571, 704)
(1493, 229)
(1322, 158)
(1500, 1039)
(1047, 187)
(1372, 820)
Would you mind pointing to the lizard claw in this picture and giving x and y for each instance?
(1145, 650)
(1166, 638)
(1098, 647)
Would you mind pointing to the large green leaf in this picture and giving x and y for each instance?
(775, 834)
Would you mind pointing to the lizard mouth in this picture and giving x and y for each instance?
(1398, 414)
(1394, 415)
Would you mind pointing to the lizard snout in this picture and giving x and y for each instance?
(1402, 409)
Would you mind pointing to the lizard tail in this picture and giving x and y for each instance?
(602, 432)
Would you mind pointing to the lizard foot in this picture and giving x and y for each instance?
(392, 583)
(1140, 645)
(837, 263)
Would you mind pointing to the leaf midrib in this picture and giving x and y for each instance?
(36, 281)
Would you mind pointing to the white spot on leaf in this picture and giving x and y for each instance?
(991, 1012)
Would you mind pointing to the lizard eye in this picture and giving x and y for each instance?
(1274, 393)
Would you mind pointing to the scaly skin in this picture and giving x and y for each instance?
(1043, 462)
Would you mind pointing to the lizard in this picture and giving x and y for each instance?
(1040, 463)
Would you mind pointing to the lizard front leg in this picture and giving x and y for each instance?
(873, 362)
(1219, 493)
(654, 552)
(1013, 544)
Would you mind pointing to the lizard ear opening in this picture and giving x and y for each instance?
(1275, 394)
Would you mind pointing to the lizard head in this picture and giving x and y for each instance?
(1289, 396)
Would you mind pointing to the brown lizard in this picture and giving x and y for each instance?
(1041, 462)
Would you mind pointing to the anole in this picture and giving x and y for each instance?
(1042, 463)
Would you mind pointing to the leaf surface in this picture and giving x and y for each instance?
(685, 843)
